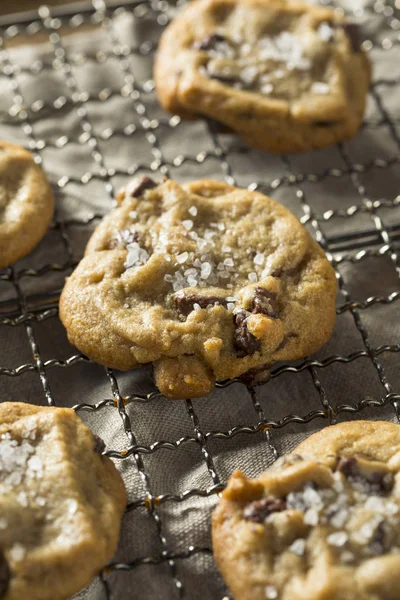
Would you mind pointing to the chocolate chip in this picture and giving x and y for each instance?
(352, 31)
(256, 376)
(184, 303)
(5, 575)
(209, 42)
(229, 79)
(259, 510)
(245, 343)
(218, 127)
(99, 444)
(325, 123)
(379, 541)
(145, 183)
(348, 466)
(265, 302)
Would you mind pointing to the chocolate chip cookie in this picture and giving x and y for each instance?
(205, 280)
(286, 76)
(61, 503)
(323, 522)
(26, 203)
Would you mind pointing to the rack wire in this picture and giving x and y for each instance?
(361, 239)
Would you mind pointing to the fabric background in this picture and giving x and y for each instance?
(78, 92)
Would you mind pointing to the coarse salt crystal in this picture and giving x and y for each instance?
(311, 517)
(271, 592)
(347, 556)
(205, 270)
(229, 262)
(319, 87)
(230, 306)
(181, 258)
(259, 258)
(188, 224)
(266, 88)
(325, 32)
(226, 249)
(298, 547)
(133, 214)
(17, 552)
(196, 306)
(192, 211)
(252, 277)
(279, 74)
(339, 538)
(249, 74)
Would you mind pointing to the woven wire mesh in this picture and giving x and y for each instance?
(346, 197)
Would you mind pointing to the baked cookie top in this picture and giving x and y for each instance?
(61, 503)
(239, 61)
(206, 280)
(26, 203)
(323, 522)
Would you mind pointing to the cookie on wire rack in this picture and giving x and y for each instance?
(322, 523)
(204, 280)
(26, 203)
(61, 503)
(285, 75)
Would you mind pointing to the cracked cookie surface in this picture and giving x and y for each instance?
(61, 503)
(205, 280)
(322, 522)
(26, 203)
(284, 75)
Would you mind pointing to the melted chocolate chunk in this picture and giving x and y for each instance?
(245, 343)
(381, 482)
(5, 575)
(352, 31)
(259, 510)
(209, 42)
(265, 302)
(185, 303)
(99, 444)
(145, 183)
(256, 376)
(379, 542)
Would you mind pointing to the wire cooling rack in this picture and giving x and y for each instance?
(76, 90)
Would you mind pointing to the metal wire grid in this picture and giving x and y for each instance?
(381, 238)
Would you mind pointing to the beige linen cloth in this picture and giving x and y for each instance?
(78, 92)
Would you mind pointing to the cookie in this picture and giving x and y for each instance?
(286, 76)
(322, 523)
(205, 280)
(61, 503)
(26, 203)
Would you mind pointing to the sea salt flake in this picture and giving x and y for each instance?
(252, 277)
(229, 262)
(298, 547)
(221, 226)
(230, 306)
(339, 538)
(133, 214)
(249, 74)
(188, 224)
(168, 277)
(339, 518)
(319, 87)
(226, 249)
(192, 211)
(196, 306)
